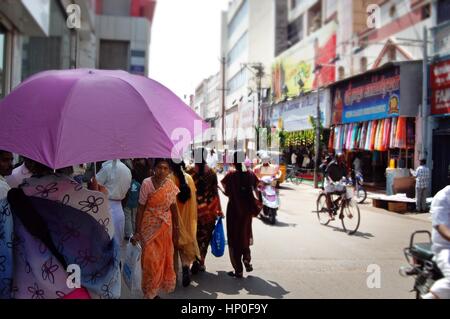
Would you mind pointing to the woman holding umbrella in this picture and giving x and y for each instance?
(156, 213)
(49, 223)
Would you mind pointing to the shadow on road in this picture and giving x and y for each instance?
(209, 285)
(277, 223)
(357, 234)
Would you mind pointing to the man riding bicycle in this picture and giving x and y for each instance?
(333, 174)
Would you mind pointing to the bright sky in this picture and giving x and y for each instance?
(185, 43)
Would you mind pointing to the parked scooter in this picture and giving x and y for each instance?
(421, 265)
(270, 198)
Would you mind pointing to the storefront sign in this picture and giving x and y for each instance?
(441, 35)
(295, 115)
(440, 84)
(368, 97)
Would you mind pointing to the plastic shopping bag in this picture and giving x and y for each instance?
(218, 239)
(132, 271)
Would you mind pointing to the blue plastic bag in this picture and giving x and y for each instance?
(218, 239)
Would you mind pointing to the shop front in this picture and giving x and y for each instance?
(440, 110)
(295, 119)
(374, 120)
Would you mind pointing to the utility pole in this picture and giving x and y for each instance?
(223, 89)
(317, 142)
(424, 112)
(259, 75)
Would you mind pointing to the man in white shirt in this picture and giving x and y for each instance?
(440, 211)
(294, 158)
(116, 177)
(6, 160)
(19, 174)
(357, 164)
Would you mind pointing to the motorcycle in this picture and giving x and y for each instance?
(270, 199)
(421, 265)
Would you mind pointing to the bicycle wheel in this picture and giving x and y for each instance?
(351, 216)
(322, 210)
(360, 195)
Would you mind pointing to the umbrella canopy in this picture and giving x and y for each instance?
(63, 118)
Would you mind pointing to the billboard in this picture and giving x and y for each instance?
(298, 64)
(368, 97)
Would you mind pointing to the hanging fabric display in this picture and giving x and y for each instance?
(410, 133)
(331, 139)
(393, 132)
(401, 132)
(386, 135)
(373, 135)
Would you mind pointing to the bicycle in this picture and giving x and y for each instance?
(343, 202)
(293, 175)
(358, 186)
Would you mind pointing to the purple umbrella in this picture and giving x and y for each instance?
(63, 118)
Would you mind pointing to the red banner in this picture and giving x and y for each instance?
(440, 85)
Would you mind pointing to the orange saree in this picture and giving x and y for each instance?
(156, 230)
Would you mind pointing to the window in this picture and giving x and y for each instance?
(240, 46)
(295, 4)
(392, 11)
(443, 11)
(392, 53)
(237, 81)
(114, 55)
(363, 63)
(241, 14)
(315, 17)
(295, 31)
(341, 72)
(426, 11)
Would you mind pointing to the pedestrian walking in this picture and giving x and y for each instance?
(132, 202)
(423, 177)
(187, 249)
(239, 188)
(116, 177)
(208, 205)
(6, 167)
(156, 213)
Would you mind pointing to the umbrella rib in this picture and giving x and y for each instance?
(62, 122)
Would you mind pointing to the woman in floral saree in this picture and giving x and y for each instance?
(157, 209)
(208, 205)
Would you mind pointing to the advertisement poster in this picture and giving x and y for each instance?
(369, 97)
(297, 64)
(440, 84)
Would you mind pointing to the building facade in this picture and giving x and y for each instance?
(247, 46)
(123, 29)
(439, 120)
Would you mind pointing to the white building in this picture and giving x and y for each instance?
(248, 42)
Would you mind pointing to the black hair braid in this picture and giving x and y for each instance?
(185, 191)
